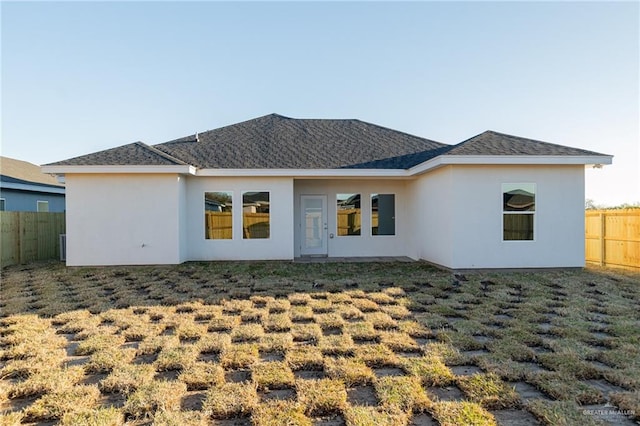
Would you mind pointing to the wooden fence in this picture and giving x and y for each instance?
(219, 225)
(29, 236)
(613, 238)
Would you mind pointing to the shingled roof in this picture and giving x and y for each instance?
(494, 143)
(277, 142)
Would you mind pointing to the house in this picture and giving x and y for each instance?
(24, 188)
(287, 188)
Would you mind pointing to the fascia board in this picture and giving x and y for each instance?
(32, 188)
(322, 173)
(118, 169)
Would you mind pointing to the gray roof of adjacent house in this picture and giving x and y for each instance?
(277, 142)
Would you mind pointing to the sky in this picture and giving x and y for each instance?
(79, 77)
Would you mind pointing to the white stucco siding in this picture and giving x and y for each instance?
(432, 215)
(364, 244)
(122, 219)
(279, 245)
(476, 231)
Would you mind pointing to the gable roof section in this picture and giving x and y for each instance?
(494, 143)
(277, 142)
(23, 172)
(133, 154)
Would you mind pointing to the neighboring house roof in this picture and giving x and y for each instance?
(17, 172)
(277, 142)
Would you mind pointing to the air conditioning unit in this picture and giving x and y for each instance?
(63, 247)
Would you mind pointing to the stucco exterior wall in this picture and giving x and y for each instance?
(431, 211)
(122, 219)
(279, 246)
(476, 227)
(364, 244)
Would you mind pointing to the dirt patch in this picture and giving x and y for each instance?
(193, 401)
(450, 393)
(309, 374)
(383, 372)
(362, 395)
(527, 391)
(237, 376)
(279, 394)
(465, 370)
(515, 418)
(336, 420)
(423, 419)
(604, 386)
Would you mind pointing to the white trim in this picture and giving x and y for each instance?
(119, 169)
(428, 165)
(32, 187)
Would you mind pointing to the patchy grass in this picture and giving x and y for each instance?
(165, 344)
(321, 397)
(231, 400)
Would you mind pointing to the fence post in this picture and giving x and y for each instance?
(603, 229)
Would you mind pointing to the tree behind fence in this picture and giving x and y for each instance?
(30, 236)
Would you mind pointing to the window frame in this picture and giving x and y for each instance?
(3, 202)
(242, 194)
(204, 212)
(351, 194)
(46, 202)
(533, 212)
(395, 228)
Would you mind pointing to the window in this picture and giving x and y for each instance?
(2, 206)
(256, 216)
(383, 214)
(349, 214)
(218, 216)
(43, 206)
(518, 211)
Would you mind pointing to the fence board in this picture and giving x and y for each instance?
(30, 236)
(613, 238)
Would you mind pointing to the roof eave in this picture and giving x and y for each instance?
(74, 169)
(302, 173)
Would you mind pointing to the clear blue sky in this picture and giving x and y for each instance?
(79, 77)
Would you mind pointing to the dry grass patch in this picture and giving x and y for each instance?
(429, 369)
(381, 321)
(213, 343)
(453, 413)
(104, 361)
(155, 344)
(561, 386)
(628, 401)
(403, 393)
(272, 375)
(279, 413)
(362, 331)
(189, 330)
(176, 358)
(154, 396)
(337, 344)
(54, 405)
(397, 312)
(377, 355)
(239, 356)
(372, 416)
(301, 313)
(247, 333)
(223, 323)
(298, 299)
(398, 342)
(127, 378)
(97, 343)
(329, 321)
(449, 354)
(321, 397)
(236, 306)
(180, 418)
(202, 375)
(365, 305)
(72, 316)
(351, 371)
(108, 416)
(560, 413)
(231, 400)
(489, 391)
(276, 342)
(306, 332)
(47, 381)
(254, 315)
(321, 306)
(11, 419)
(304, 357)
(277, 323)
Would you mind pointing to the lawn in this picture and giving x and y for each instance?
(276, 343)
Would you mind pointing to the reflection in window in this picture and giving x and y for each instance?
(518, 210)
(256, 218)
(218, 219)
(349, 214)
(383, 214)
(2, 207)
